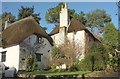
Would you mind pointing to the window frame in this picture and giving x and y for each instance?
(3, 56)
(38, 57)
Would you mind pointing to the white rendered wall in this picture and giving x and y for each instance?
(46, 57)
(12, 56)
(26, 49)
(56, 39)
(31, 40)
(78, 38)
(27, 46)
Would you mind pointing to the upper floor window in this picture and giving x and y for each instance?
(3, 56)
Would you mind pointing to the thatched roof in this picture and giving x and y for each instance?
(19, 30)
(74, 26)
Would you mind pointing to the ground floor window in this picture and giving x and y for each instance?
(38, 56)
(3, 56)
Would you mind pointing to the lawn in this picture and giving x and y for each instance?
(48, 73)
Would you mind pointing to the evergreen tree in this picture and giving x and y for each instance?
(28, 11)
(110, 35)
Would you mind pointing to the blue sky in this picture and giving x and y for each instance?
(42, 7)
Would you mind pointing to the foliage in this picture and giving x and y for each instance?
(75, 66)
(65, 54)
(114, 63)
(28, 11)
(53, 68)
(45, 28)
(96, 57)
(23, 12)
(111, 41)
(52, 15)
(110, 35)
(30, 63)
(57, 53)
(80, 17)
(97, 18)
(7, 16)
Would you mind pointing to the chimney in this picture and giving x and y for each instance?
(63, 23)
(6, 24)
(64, 16)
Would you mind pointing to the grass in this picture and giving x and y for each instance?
(48, 73)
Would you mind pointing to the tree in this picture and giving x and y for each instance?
(52, 15)
(95, 59)
(111, 39)
(110, 35)
(97, 18)
(45, 28)
(28, 11)
(7, 16)
(80, 17)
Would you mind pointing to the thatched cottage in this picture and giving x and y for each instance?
(25, 37)
(73, 30)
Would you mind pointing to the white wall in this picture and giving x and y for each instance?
(15, 54)
(56, 38)
(31, 40)
(78, 37)
(46, 51)
(28, 45)
(12, 56)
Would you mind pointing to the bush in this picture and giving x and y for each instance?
(65, 53)
(30, 63)
(95, 59)
(53, 68)
(74, 66)
(57, 53)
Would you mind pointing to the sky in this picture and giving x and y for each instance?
(42, 7)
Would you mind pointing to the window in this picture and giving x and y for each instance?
(38, 56)
(3, 56)
(38, 39)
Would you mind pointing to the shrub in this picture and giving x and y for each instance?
(74, 66)
(57, 53)
(53, 68)
(65, 54)
(95, 59)
(30, 63)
